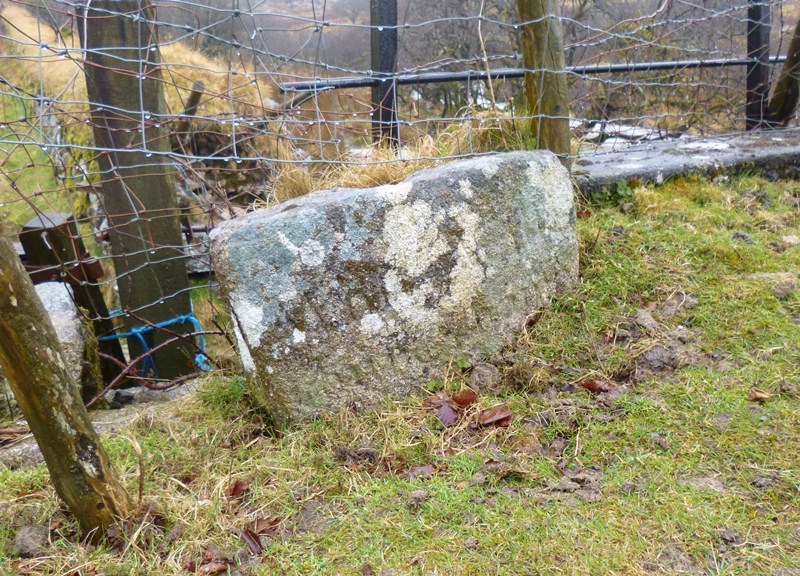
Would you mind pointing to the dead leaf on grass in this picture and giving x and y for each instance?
(581, 214)
(252, 540)
(500, 416)
(266, 526)
(171, 536)
(598, 386)
(423, 471)
(445, 409)
(236, 490)
(758, 395)
(464, 398)
(212, 568)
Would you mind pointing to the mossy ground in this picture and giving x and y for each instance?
(679, 473)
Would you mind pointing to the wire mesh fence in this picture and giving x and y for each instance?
(111, 109)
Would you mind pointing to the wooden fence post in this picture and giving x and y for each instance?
(125, 87)
(545, 79)
(758, 29)
(383, 51)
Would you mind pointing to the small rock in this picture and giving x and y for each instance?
(742, 237)
(729, 536)
(32, 541)
(485, 377)
(721, 421)
(762, 482)
(471, 543)
(478, 479)
(791, 240)
(659, 440)
(124, 397)
(417, 497)
(626, 207)
(713, 483)
(782, 290)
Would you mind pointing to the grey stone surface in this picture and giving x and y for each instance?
(772, 151)
(353, 296)
(57, 300)
(32, 541)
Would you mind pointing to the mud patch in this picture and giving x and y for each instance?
(712, 483)
(576, 485)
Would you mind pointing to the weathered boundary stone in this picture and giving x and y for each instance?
(357, 295)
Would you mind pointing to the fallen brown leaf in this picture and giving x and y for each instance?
(758, 395)
(422, 471)
(464, 398)
(212, 568)
(600, 386)
(171, 536)
(266, 526)
(236, 490)
(583, 214)
(445, 409)
(498, 416)
(252, 540)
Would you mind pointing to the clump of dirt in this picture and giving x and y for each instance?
(577, 484)
(653, 348)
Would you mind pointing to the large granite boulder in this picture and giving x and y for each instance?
(352, 296)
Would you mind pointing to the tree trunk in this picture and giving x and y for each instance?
(787, 91)
(125, 87)
(50, 400)
(546, 82)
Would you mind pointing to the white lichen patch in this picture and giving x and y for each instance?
(372, 324)
(394, 194)
(468, 273)
(244, 352)
(312, 253)
(410, 306)
(298, 336)
(89, 468)
(466, 188)
(251, 318)
(412, 238)
(558, 205)
(64, 425)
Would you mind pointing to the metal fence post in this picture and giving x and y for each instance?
(758, 29)
(383, 50)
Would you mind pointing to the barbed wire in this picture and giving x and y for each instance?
(253, 139)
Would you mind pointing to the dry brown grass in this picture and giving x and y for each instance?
(230, 87)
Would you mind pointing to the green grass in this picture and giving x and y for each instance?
(27, 181)
(681, 455)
